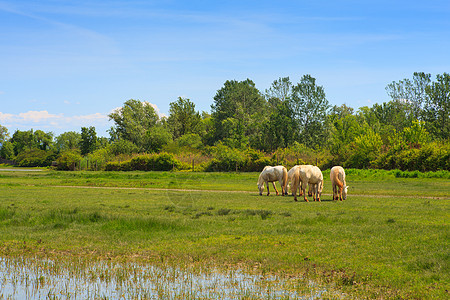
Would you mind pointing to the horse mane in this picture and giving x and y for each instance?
(260, 178)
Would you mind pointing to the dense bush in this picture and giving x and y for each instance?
(146, 162)
(429, 157)
(35, 158)
(68, 160)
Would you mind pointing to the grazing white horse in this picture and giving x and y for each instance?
(272, 174)
(294, 182)
(311, 175)
(337, 176)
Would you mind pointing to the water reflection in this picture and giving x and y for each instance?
(22, 278)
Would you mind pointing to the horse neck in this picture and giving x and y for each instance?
(260, 179)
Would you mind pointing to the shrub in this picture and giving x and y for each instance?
(35, 158)
(146, 162)
(67, 160)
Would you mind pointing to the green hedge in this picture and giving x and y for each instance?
(146, 162)
(35, 158)
(430, 157)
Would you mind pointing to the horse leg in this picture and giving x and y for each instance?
(268, 192)
(300, 188)
(275, 187)
(304, 193)
(317, 192)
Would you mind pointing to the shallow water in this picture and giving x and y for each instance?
(46, 279)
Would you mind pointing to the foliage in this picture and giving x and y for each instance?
(132, 122)
(190, 140)
(364, 149)
(236, 106)
(156, 137)
(310, 107)
(67, 141)
(437, 107)
(28, 140)
(122, 147)
(68, 160)
(146, 162)
(35, 158)
(183, 118)
(4, 134)
(88, 141)
(289, 123)
(7, 150)
(432, 156)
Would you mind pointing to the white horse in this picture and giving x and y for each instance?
(272, 174)
(294, 182)
(311, 175)
(337, 176)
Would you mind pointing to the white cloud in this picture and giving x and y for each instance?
(37, 116)
(44, 119)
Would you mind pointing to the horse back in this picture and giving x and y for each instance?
(337, 176)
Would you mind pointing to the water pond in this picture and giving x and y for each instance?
(27, 278)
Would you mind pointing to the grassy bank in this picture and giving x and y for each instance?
(388, 239)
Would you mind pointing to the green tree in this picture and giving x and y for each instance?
(280, 91)
(393, 113)
(237, 107)
(7, 150)
(279, 130)
(88, 141)
(412, 93)
(310, 107)
(437, 107)
(67, 140)
(183, 118)
(4, 134)
(344, 131)
(43, 140)
(364, 150)
(156, 138)
(23, 140)
(132, 121)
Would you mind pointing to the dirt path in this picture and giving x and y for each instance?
(243, 192)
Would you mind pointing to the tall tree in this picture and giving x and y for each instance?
(4, 134)
(183, 118)
(310, 107)
(411, 94)
(67, 141)
(88, 141)
(132, 121)
(437, 107)
(23, 140)
(237, 107)
(43, 139)
(280, 91)
(279, 130)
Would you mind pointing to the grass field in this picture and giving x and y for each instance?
(389, 239)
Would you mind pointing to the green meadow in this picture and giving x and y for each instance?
(389, 239)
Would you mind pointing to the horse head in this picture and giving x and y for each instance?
(344, 192)
(261, 188)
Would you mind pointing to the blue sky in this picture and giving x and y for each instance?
(68, 64)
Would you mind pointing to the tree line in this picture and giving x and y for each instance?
(287, 121)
